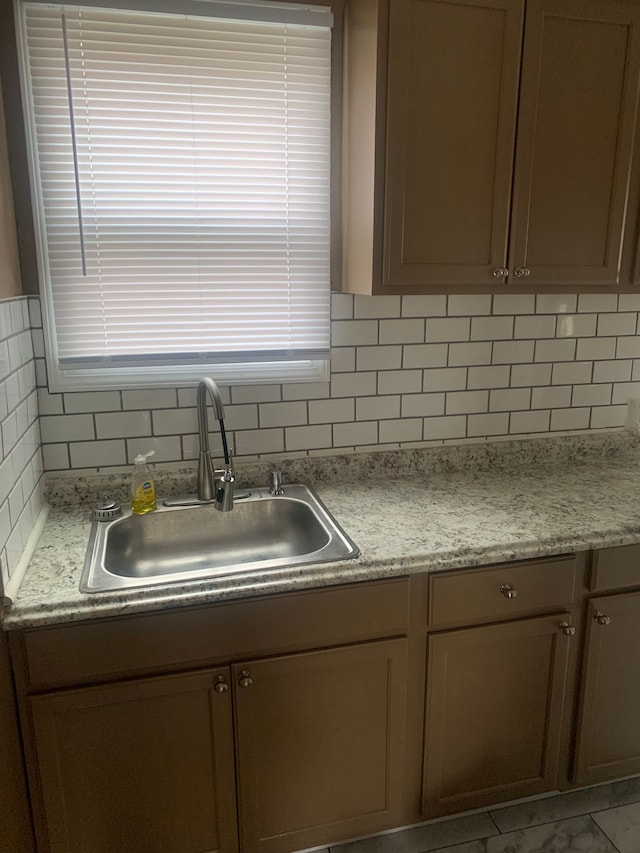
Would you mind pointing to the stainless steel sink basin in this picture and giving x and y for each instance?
(178, 543)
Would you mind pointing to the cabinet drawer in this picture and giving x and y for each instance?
(200, 635)
(613, 568)
(482, 592)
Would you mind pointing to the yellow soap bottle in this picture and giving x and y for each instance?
(143, 489)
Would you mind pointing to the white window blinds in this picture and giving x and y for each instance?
(183, 171)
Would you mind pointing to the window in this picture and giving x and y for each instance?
(181, 184)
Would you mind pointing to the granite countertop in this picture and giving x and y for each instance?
(408, 511)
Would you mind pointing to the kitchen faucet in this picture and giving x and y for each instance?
(219, 492)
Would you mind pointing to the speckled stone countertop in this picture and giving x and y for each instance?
(408, 511)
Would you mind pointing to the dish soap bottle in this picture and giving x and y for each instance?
(143, 489)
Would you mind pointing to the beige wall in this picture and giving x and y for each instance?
(9, 263)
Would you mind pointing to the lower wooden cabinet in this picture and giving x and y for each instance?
(152, 765)
(495, 696)
(320, 745)
(608, 739)
(145, 766)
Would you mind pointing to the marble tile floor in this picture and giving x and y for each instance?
(602, 819)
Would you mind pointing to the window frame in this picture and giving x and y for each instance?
(33, 253)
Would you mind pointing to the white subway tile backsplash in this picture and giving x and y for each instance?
(378, 408)
(282, 414)
(294, 391)
(123, 424)
(354, 384)
(77, 402)
(250, 442)
(628, 347)
(612, 371)
(425, 355)
(469, 305)
(399, 381)
(569, 419)
(273, 393)
(356, 434)
(558, 397)
(492, 376)
(512, 352)
(441, 329)
(596, 349)
(509, 399)
(571, 373)
(592, 395)
(541, 326)
(453, 426)
(424, 306)
(608, 417)
(625, 391)
(529, 422)
(469, 354)
(530, 375)
(513, 303)
(243, 417)
(576, 325)
(409, 331)
(555, 350)
(331, 411)
(343, 359)
(464, 402)
(354, 332)
(341, 306)
(167, 448)
(617, 324)
(422, 405)
(403, 429)
(174, 421)
(379, 358)
(307, 437)
(445, 379)
(551, 303)
(56, 457)
(371, 307)
(486, 425)
(629, 302)
(588, 302)
(492, 328)
(55, 428)
(96, 454)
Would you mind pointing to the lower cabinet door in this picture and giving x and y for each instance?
(608, 741)
(144, 766)
(320, 745)
(494, 709)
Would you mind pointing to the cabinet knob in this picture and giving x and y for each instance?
(500, 272)
(522, 272)
(245, 679)
(567, 630)
(508, 591)
(220, 685)
(602, 618)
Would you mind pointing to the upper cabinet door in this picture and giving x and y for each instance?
(576, 124)
(451, 115)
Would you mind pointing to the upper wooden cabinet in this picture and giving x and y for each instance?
(489, 142)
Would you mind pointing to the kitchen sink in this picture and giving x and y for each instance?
(193, 542)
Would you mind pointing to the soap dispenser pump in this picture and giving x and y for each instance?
(143, 489)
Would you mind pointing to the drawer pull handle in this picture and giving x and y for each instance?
(220, 685)
(602, 618)
(500, 272)
(508, 591)
(567, 630)
(245, 679)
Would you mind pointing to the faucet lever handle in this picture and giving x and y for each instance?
(275, 482)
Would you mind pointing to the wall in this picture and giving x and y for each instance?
(20, 455)
(405, 371)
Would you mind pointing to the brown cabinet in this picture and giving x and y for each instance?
(497, 137)
(320, 745)
(608, 739)
(501, 654)
(273, 753)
